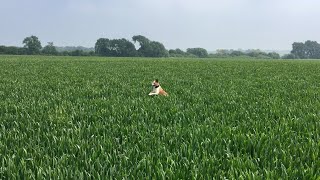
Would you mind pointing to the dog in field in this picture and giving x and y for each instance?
(156, 89)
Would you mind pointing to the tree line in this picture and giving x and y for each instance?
(148, 48)
(307, 50)
(32, 46)
(123, 48)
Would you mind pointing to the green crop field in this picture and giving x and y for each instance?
(92, 118)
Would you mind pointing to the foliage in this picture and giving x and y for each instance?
(12, 50)
(50, 49)
(253, 53)
(91, 118)
(289, 56)
(176, 51)
(74, 48)
(150, 48)
(122, 48)
(115, 48)
(237, 53)
(102, 47)
(307, 50)
(199, 52)
(180, 53)
(32, 44)
(273, 55)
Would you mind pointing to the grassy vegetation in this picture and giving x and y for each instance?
(89, 117)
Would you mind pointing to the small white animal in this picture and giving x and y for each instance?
(156, 89)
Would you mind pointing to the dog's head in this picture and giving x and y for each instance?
(155, 83)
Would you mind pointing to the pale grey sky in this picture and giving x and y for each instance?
(211, 24)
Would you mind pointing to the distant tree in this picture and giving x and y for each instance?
(143, 41)
(177, 53)
(150, 48)
(263, 55)
(32, 44)
(157, 49)
(50, 49)
(21, 51)
(102, 47)
(237, 53)
(288, 56)
(144, 49)
(312, 49)
(199, 52)
(307, 50)
(115, 48)
(91, 53)
(3, 49)
(274, 55)
(172, 51)
(298, 50)
(77, 53)
(255, 53)
(223, 52)
(73, 48)
(12, 50)
(65, 53)
(122, 48)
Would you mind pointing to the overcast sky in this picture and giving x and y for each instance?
(211, 24)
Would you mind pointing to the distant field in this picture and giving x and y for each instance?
(90, 117)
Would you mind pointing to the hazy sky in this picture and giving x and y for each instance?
(211, 24)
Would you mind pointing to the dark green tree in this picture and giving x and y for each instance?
(77, 52)
(172, 51)
(307, 50)
(50, 49)
(122, 48)
(222, 52)
(12, 50)
(274, 55)
(157, 49)
(237, 53)
(177, 53)
(199, 52)
(143, 41)
(298, 50)
(102, 47)
(115, 48)
(32, 44)
(144, 49)
(288, 56)
(150, 48)
(312, 49)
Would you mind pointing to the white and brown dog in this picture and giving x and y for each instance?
(156, 89)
